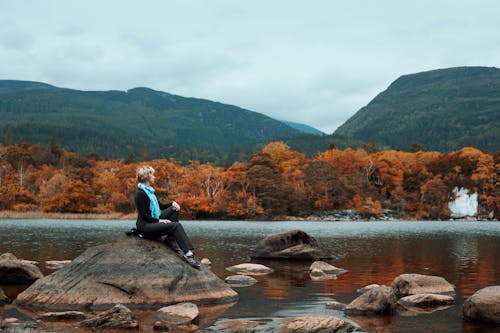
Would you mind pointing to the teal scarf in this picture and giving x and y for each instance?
(154, 206)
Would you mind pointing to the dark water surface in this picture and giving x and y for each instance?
(467, 254)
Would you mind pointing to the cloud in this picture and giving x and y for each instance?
(316, 63)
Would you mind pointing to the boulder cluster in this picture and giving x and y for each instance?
(100, 288)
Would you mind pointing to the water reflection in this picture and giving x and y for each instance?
(466, 254)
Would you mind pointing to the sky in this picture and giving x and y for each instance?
(314, 62)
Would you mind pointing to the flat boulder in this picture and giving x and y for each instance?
(483, 306)
(426, 300)
(317, 324)
(411, 284)
(131, 271)
(250, 269)
(118, 317)
(17, 271)
(376, 301)
(291, 245)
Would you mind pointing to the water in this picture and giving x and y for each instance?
(464, 253)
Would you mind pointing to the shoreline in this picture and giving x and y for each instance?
(8, 214)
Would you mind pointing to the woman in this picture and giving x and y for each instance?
(155, 219)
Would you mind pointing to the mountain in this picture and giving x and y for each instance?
(303, 128)
(138, 122)
(444, 110)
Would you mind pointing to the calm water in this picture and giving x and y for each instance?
(467, 254)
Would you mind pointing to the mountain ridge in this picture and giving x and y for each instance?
(124, 122)
(443, 109)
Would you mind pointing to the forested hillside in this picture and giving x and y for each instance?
(442, 110)
(276, 182)
(138, 124)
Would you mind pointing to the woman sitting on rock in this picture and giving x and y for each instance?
(155, 219)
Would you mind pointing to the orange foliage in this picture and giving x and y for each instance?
(275, 182)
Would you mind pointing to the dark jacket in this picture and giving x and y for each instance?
(142, 203)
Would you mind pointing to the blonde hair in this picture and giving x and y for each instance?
(144, 172)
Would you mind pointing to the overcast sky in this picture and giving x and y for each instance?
(314, 62)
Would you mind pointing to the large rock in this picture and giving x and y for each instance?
(317, 324)
(411, 284)
(132, 271)
(426, 300)
(17, 271)
(295, 244)
(483, 306)
(118, 317)
(379, 300)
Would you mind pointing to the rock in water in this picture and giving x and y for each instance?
(13, 270)
(250, 269)
(483, 306)
(326, 267)
(376, 301)
(132, 271)
(292, 245)
(119, 317)
(411, 284)
(179, 314)
(317, 324)
(426, 300)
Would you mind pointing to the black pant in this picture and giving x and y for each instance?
(173, 229)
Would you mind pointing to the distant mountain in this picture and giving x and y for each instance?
(442, 110)
(303, 128)
(140, 122)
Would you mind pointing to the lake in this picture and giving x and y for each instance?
(467, 254)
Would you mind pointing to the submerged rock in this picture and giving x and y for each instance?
(14, 270)
(242, 280)
(483, 306)
(118, 317)
(411, 284)
(292, 245)
(250, 269)
(376, 301)
(317, 324)
(131, 271)
(426, 300)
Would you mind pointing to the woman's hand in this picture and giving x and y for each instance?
(175, 206)
(165, 221)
